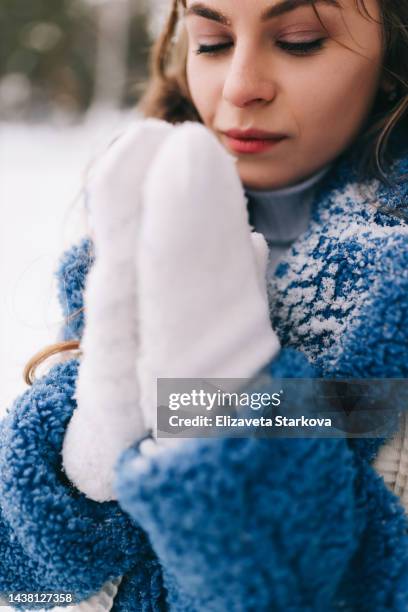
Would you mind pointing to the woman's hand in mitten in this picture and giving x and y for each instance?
(108, 417)
(179, 291)
(202, 303)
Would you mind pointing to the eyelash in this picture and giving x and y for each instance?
(303, 48)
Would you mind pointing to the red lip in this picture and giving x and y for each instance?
(253, 135)
(252, 141)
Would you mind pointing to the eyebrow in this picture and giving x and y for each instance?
(285, 6)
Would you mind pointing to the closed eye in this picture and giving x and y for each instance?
(213, 49)
(302, 48)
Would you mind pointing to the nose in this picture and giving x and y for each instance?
(248, 80)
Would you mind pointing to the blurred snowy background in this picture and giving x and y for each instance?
(71, 72)
(42, 169)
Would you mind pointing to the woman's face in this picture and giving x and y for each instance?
(270, 66)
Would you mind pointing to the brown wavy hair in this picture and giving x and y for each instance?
(167, 94)
(167, 97)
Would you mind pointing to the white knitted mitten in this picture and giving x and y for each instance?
(177, 289)
(202, 300)
(107, 418)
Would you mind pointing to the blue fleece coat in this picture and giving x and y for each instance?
(237, 525)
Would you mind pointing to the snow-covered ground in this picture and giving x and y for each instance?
(42, 170)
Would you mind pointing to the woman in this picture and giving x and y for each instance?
(240, 524)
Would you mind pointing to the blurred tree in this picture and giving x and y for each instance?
(49, 45)
(122, 51)
(157, 11)
(138, 53)
(49, 51)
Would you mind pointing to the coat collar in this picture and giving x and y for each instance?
(324, 281)
(344, 177)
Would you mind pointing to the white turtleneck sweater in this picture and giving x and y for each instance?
(281, 215)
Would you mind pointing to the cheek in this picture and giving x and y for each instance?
(337, 94)
(205, 87)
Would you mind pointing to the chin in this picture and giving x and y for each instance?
(250, 180)
(253, 177)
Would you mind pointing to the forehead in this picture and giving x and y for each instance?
(226, 11)
(274, 8)
(268, 8)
